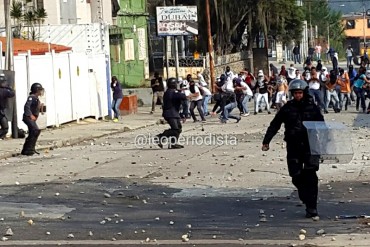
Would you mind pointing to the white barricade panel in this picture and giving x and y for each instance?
(99, 81)
(22, 88)
(63, 94)
(80, 86)
(41, 71)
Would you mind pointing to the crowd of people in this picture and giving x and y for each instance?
(335, 89)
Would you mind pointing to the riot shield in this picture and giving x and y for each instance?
(330, 140)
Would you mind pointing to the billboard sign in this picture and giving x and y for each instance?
(177, 20)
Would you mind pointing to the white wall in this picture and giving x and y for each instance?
(2, 16)
(71, 91)
(82, 38)
(86, 12)
(83, 12)
(52, 8)
(106, 11)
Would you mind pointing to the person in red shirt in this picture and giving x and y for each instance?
(248, 77)
(283, 71)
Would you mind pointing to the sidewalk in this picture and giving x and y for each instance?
(76, 132)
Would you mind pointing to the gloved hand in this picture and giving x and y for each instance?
(265, 147)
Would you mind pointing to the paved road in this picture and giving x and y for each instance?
(221, 195)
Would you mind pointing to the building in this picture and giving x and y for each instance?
(129, 44)
(357, 31)
(68, 11)
(84, 25)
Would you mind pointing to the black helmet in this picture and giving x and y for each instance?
(172, 83)
(298, 84)
(36, 87)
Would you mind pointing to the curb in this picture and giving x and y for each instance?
(77, 140)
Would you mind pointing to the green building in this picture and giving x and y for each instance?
(129, 44)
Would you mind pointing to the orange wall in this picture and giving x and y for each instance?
(358, 31)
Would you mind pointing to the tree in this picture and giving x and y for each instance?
(30, 18)
(231, 18)
(40, 16)
(322, 16)
(16, 13)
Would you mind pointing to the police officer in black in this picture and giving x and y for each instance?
(31, 112)
(302, 165)
(171, 106)
(5, 93)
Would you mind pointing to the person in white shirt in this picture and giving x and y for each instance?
(261, 92)
(243, 93)
(195, 98)
(291, 73)
(281, 93)
(228, 86)
(229, 74)
(184, 88)
(349, 55)
(207, 95)
(318, 51)
(314, 88)
(202, 81)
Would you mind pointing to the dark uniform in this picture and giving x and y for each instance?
(32, 107)
(5, 93)
(302, 165)
(171, 106)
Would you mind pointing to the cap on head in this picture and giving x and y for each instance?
(260, 73)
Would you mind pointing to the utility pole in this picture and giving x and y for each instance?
(9, 60)
(166, 49)
(311, 41)
(9, 64)
(364, 27)
(210, 47)
(176, 50)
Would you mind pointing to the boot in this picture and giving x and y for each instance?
(26, 150)
(34, 140)
(175, 146)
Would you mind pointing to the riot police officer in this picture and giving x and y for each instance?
(172, 100)
(302, 165)
(5, 93)
(31, 112)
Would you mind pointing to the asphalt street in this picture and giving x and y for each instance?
(115, 190)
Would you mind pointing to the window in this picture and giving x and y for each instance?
(40, 4)
(368, 23)
(350, 24)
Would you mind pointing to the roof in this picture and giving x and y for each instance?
(353, 16)
(36, 47)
